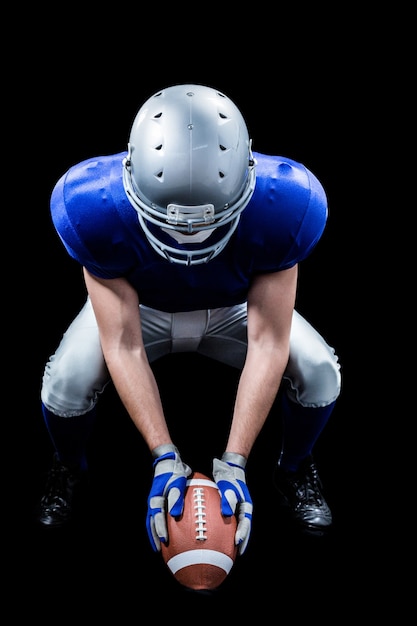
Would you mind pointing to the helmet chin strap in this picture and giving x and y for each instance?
(197, 237)
(184, 257)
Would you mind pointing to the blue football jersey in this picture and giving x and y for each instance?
(98, 226)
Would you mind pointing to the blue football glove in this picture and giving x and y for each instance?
(229, 475)
(169, 483)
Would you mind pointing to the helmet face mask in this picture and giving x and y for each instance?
(189, 168)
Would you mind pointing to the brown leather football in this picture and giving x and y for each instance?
(201, 547)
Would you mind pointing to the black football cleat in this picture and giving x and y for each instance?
(56, 505)
(302, 498)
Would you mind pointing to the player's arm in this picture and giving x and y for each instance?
(270, 307)
(271, 302)
(116, 307)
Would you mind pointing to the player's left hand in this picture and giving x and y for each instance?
(229, 475)
(167, 492)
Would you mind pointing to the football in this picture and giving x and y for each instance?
(201, 550)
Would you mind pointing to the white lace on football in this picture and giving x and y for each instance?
(200, 513)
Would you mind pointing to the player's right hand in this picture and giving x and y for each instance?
(167, 492)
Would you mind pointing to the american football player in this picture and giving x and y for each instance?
(190, 242)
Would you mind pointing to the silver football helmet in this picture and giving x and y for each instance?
(189, 169)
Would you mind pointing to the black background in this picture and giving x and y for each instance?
(300, 89)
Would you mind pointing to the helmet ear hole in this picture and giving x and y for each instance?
(189, 147)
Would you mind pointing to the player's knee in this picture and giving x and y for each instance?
(324, 384)
(316, 382)
(68, 391)
(65, 403)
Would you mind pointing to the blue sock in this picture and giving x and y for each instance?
(301, 429)
(70, 436)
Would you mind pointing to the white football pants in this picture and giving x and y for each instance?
(76, 374)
